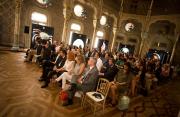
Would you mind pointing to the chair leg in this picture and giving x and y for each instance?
(83, 100)
(94, 110)
(104, 106)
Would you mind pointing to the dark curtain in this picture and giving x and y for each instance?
(76, 36)
(100, 43)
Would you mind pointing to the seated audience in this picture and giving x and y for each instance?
(68, 66)
(99, 63)
(137, 73)
(123, 78)
(36, 49)
(56, 69)
(165, 72)
(87, 53)
(132, 72)
(110, 72)
(149, 77)
(76, 72)
(157, 71)
(85, 83)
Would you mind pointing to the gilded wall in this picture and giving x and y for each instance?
(7, 17)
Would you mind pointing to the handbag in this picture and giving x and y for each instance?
(63, 96)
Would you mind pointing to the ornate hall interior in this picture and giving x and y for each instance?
(105, 36)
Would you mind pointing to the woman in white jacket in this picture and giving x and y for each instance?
(68, 66)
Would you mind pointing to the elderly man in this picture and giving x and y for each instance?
(85, 83)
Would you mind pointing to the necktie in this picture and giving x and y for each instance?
(84, 77)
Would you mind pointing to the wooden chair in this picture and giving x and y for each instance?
(102, 91)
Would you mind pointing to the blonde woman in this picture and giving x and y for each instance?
(78, 69)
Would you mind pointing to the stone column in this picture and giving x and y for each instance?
(144, 33)
(18, 7)
(67, 16)
(174, 47)
(144, 36)
(114, 37)
(94, 32)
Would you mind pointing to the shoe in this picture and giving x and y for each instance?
(41, 79)
(44, 85)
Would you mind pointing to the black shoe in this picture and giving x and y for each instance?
(44, 86)
(41, 79)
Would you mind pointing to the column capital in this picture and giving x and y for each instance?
(144, 35)
(95, 22)
(115, 29)
(18, 5)
(67, 13)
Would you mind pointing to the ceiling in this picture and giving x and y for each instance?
(140, 7)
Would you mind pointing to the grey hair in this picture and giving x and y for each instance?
(94, 60)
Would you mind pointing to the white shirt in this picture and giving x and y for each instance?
(99, 64)
(69, 65)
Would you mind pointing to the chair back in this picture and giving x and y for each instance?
(103, 86)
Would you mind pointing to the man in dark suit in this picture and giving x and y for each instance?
(56, 70)
(85, 83)
(46, 52)
(110, 72)
(45, 60)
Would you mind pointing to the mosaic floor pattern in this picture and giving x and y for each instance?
(21, 95)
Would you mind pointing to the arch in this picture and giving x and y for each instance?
(113, 16)
(166, 28)
(163, 21)
(153, 21)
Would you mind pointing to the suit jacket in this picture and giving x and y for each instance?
(60, 62)
(46, 53)
(110, 73)
(38, 49)
(90, 80)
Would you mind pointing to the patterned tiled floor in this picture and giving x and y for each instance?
(21, 95)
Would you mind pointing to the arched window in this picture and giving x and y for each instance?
(39, 18)
(78, 43)
(103, 20)
(75, 28)
(78, 10)
(99, 35)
